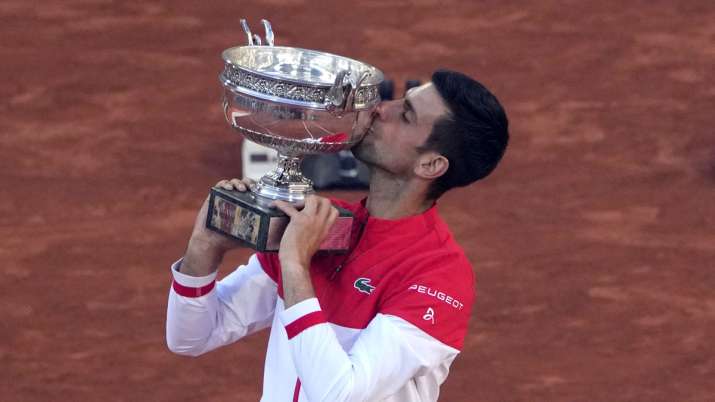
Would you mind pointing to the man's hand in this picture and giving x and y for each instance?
(301, 240)
(206, 247)
(306, 230)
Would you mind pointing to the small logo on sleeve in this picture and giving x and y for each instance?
(363, 285)
(429, 315)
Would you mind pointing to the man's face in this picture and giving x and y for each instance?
(397, 128)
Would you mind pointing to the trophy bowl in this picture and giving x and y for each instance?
(287, 98)
(296, 101)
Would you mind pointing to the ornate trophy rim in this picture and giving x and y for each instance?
(225, 55)
(240, 76)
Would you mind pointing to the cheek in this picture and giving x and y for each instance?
(405, 139)
(402, 149)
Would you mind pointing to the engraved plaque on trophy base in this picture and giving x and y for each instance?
(241, 216)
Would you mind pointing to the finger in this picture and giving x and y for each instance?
(248, 182)
(329, 221)
(311, 205)
(328, 206)
(239, 185)
(225, 184)
(324, 208)
(204, 206)
(333, 215)
(287, 208)
(201, 216)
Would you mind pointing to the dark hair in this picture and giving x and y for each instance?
(473, 136)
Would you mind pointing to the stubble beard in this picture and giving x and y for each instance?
(365, 151)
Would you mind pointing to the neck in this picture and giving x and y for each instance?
(392, 197)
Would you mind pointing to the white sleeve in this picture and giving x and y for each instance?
(386, 355)
(204, 314)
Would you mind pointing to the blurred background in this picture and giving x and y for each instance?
(593, 242)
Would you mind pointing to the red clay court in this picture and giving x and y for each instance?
(593, 243)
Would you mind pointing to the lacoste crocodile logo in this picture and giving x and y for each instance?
(363, 285)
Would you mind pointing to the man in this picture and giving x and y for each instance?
(385, 321)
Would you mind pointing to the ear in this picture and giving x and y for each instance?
(431, 165)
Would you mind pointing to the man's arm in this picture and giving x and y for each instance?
(204, 314)
(207, 248)
(301, 240)
(388, 353)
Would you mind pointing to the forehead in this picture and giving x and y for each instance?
(427, 102)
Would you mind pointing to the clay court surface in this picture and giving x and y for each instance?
(593, 243)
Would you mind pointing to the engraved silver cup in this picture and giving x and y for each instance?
(297, 101)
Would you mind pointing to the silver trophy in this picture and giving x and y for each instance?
(299, 102)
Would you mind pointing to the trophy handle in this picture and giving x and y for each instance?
(226, 108)
(336, 97)
(247, 30)
(340, 98)
(269, 32)
(350, 101)
(254, 39)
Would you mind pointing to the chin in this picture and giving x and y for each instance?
(364, 151)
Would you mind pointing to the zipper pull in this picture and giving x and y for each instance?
(336, 272)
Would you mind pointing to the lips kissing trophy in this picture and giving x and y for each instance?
(298, 102)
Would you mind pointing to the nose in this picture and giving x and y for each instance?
(382, 111)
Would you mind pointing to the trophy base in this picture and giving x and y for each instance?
(242, 216)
